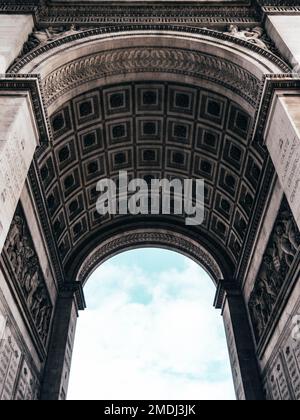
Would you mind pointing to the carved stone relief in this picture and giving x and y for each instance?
(277, 262)
(137, 60)
(10, 359)
(17, 378)
(29, 279)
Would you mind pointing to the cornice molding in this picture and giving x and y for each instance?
(274, 7)
(261, 200)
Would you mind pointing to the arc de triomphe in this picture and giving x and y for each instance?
(190, 89)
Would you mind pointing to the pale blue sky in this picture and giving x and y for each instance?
(150, 332)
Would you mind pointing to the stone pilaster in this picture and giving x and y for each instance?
(58, 365)
(243, 359)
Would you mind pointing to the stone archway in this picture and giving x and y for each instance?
(170, 105)
(160, 58)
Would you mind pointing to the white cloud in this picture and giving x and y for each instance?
(150, 337)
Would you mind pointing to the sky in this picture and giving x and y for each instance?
(150, 332)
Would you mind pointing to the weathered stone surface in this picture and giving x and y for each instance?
(282, 137)
(18, 141)
(28, 276)
(175, 101)
(275, 269)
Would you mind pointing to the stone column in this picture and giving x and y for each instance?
(14, 31)
(246, 376)
(282, 138)
(58, 365)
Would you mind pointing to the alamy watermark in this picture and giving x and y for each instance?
(162, 196)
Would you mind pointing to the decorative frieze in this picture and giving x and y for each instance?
(274, 272)
(43, 40)
(282, 374)
(254, 36)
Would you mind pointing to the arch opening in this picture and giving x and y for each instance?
(150, 332)
(170, 107)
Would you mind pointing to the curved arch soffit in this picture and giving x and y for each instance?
(145, 239)
(77, 63)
